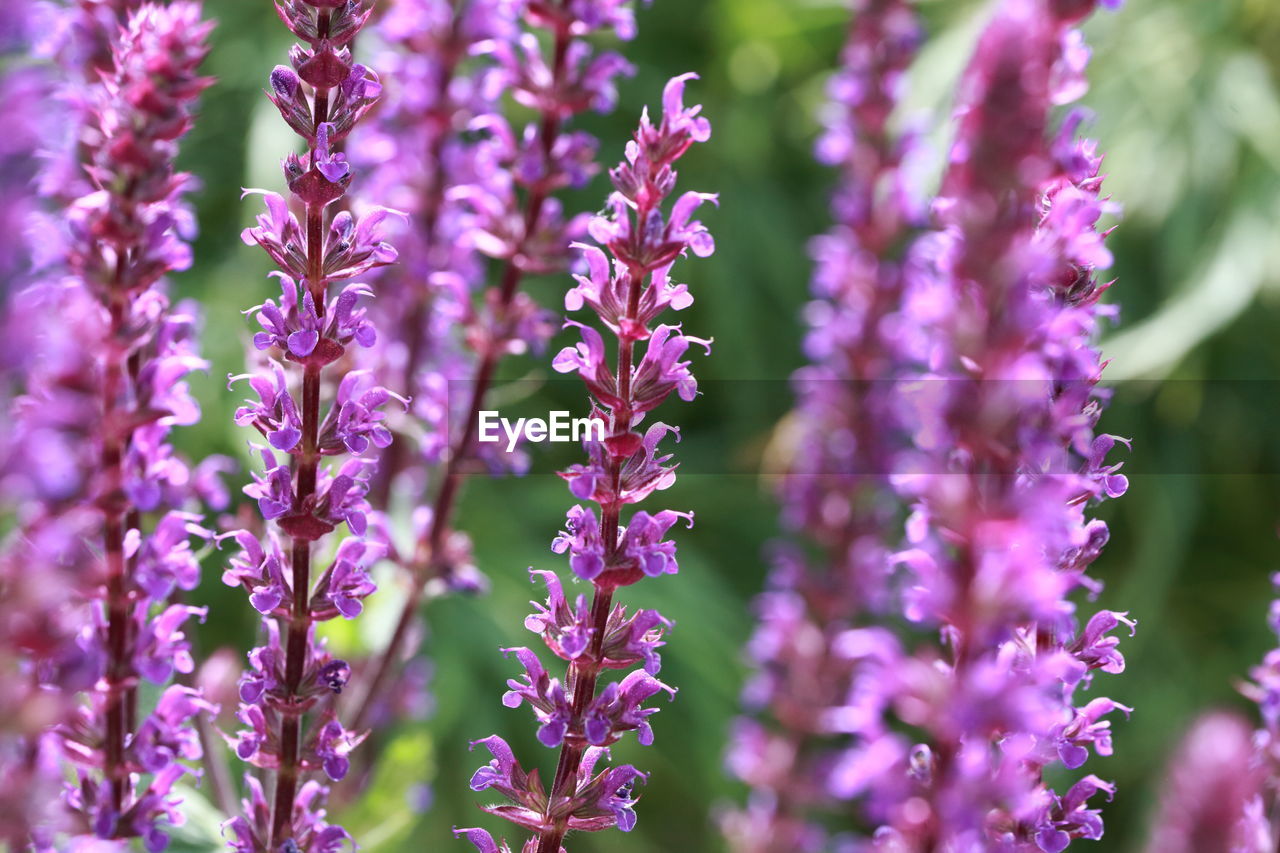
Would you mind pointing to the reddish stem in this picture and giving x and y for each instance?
(119, 668)
(585, 671)
(583, 674)
(306, 464)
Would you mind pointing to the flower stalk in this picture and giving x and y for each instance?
(288, 696)
(966, 401)
(845, 437)
(628, 294)
(1007, 460)
(107, 383)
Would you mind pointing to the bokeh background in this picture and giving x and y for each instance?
(1186, 108)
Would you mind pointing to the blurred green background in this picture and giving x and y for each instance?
(1186, 108)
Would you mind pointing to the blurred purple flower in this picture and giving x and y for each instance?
(107, 530)
(1213, 797)
(954, 380)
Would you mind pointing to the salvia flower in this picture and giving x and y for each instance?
(26, 90)
(1213, 797)
(106, 385)
(312, 409)
(628, 639)
(821, 689)
(1255, 779)
(578, 715)
(1006, 463)
(311, 830)
(954, 382)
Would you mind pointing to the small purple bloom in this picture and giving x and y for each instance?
(333, 166)
(581, 538)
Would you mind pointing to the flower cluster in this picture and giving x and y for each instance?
(124, 236)
(428, 151)
(624, 468)
(104, 387)
(923, 664)
(1007, 462)
(473, 185)
(22, 88)
(43, 562)
(288, 694)
(847, 434)
(1214, 795)
(1240, 767)
(1244, 774)
(981, 427)
(422, 154)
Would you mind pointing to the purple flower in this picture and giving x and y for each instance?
(1087, 727)
(266, 666)
(471, 182)
(311, 833)
(952, 383)
(290, 691)
(279, 233)
(566, 630)
(298, 330)
(164, 737)
(333, 166)
(624, 468)
(588, 359)
(340, 496)
(276, 413)
(644, 545)
(642, 473)
(482, 840)
(273, 488)
(1214, 757)
(334, 675)
(1069, 817)
(617, 709)
(165, 560)
(347, 583)
(615, 795)
(358, 247)
(607, 295)
(660, 371)
(1094, 648)
(651, 244)
(677, 121)
(331, 746)
(581, 538)
(636, 639)
(1215, 790)
(505, 775)
(544, 694)
(1014, 504)
(359, 420)
(105, 532)
(259, 570)
(163, 647)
